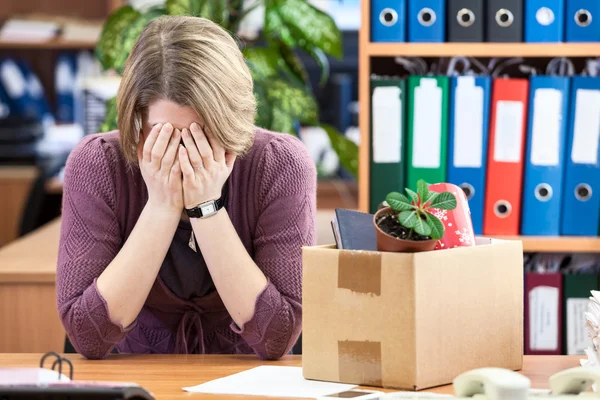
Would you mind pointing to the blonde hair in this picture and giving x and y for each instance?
(192, 62)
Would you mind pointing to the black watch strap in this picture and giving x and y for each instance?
(205, 209)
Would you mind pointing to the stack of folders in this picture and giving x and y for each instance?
(525, 151)
(485, 20)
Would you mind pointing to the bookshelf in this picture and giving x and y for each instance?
(56, 44)
(482, 49)
(557, 244)
(369, 51)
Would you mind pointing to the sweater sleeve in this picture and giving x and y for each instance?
(90, 239)
(287, 210)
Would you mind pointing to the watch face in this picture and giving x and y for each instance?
(208, 208)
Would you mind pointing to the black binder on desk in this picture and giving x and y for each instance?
(504, 20)
(465, 20)
(24, 383)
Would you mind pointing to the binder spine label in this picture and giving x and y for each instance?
(387, 124)
(509, 131)
(427, 131)
(586, 127)
(577, 339)
(468, 125)
(547, 115)
(543, 318)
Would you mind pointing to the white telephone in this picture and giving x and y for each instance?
(502, 384)
(494, 383)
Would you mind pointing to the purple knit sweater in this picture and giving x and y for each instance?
(272, 204)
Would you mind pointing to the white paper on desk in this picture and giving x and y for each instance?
(270, 381)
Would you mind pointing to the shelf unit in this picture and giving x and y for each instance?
(55, 44)
(477, 49)
(368, 51)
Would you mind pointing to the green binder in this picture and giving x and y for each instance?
(427, 133)
(387, 139)
(576, 293)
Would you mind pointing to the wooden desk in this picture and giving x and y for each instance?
(166, 375)
(28, 314)
(15, 185)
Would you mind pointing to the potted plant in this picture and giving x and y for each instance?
(408, 225)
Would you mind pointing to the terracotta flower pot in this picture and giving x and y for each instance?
(389, 243)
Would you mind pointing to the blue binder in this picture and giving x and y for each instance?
(388, 20)
(544, 166)
(582, 21)
(544, 20)
(65, 74)
(581, 196)
(5, 108)
(37, 96)
(468, 140)
(15, 87)
(426, 20)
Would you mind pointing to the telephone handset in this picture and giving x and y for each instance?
(498, 384)
(503, 384)
(575, 380)
(493, 384)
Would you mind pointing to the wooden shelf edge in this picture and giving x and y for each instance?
(51, 44)
(557, 244)
(484, 49)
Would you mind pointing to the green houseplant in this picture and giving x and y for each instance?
(281, 86)
(407, 225)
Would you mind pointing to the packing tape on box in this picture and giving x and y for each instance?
(360, 361)
(360, 272)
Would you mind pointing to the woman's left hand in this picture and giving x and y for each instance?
(205, 166)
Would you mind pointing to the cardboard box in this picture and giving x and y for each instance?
(411, 321)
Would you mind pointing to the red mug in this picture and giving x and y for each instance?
(458, 227)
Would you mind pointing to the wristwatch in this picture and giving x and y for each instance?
(206, 209)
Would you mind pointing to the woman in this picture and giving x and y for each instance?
(135, 273)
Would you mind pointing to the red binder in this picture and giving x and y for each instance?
(505, 160)
(543, 314)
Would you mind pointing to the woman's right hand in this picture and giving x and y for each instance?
(160, 168)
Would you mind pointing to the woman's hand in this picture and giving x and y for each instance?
(205, 166)
(160, 168)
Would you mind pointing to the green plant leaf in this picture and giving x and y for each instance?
(130, 35)
(421, 226)
(263, 110)
(422, 191)
(408, 219)
(322, 61)
(238, 11)
(297, 22)
(431, 197)
(445, 201)
(346, 149)
(437, 227)
(110, 44)
(263, 62)
(110, 119)
(184, 7)
(291, 101)
(267, 62)
(398, 202)
(215, 10)
(274, 27)
(292, 64)
(413, 196)
(281, 121)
